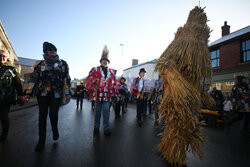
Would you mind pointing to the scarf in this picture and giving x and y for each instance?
(105, 70)
(50, 60)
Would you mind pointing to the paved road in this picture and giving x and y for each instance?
(129, 145)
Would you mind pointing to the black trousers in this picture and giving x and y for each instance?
(123, 106)
(4, 119)
(149, 106)
(145, 106)
(118, 108)
(140, 107)
(77, 101)
(126, 102)
(52, 105)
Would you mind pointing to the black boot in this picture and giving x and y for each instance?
(107, 132)
(40, 146)
(3, 138)
(96, 131)
(55, 135)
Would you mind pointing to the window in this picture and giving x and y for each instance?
(215, 58)
(245, 51)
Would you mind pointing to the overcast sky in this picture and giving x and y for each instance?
(80, 28)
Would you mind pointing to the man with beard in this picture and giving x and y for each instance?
(101, 85)
(10, 85)
(52, 82)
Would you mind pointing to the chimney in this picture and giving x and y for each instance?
(225, 29)
(134, 62)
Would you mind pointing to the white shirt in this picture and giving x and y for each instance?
(227, 105)
(141, 84)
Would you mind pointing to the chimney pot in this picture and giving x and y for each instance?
(134, 62)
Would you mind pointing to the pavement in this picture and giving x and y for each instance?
(32, 102)
(128, 146)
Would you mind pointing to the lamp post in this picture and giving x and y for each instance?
(121, 58)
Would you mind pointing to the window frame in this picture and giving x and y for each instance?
(243, 51)
(217, 57)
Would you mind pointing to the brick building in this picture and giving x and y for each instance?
(230, 57)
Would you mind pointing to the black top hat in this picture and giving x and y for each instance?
(48, 46)
(142, 70)
(123, 79)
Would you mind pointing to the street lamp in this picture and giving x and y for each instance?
(121, 58)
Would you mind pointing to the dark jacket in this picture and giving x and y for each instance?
(80, 91)
(51, 80)
(241, 96)
(10, 85)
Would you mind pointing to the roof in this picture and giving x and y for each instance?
(230, 36)
(137, 65)
(26, 61)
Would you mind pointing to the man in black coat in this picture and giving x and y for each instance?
(80, 89)
(218, 98)
(241, 104)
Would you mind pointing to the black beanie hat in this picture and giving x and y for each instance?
(48, 46)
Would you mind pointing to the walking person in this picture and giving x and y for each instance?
(122, 93)
(10, 86)
(241, 98)
(101, 84)
(80, 89)
(138, 88)
(218, 98)
(52, 83)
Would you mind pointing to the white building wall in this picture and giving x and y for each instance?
(133, 72)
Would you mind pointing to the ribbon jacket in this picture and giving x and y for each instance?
(100, 87)
(51, 79)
